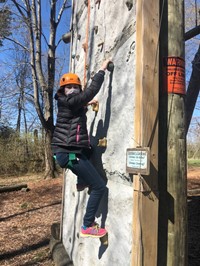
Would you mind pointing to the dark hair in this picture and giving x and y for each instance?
(60, 91)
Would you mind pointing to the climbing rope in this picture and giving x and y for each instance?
(196, 19)
(85, 46)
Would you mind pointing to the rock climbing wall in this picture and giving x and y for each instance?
(104, 29)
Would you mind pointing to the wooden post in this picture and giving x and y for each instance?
(145, 202)
(172, 143)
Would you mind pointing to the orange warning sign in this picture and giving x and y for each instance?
(174, 74)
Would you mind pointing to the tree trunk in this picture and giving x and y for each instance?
(43, 83)
(49, 161)
(12, 188)
(19, 115)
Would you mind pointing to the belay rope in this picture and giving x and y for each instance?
(86, 44)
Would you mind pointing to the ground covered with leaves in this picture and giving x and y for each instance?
(194, 217)
(26, 219)
(27, 216)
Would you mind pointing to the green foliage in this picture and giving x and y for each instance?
(194, 162)
(21, 155)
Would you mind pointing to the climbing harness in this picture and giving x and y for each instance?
(72, 157)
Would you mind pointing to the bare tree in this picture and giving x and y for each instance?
(30, 13)
(5, 18)
(193, 88)
(21, 74)
(192, 20)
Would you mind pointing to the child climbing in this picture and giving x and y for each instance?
(71, 146)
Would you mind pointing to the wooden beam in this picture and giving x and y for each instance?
(145, 202)
(172, 237)
(192, 33)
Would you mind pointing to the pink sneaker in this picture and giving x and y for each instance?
(93, 231)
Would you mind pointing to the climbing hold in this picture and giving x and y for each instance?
(95, 107)
(73, 56)
(77, 57)
(110, 66)
(129, 4)
(66, 37)
(98, 2)
(102, 142)
(79, 37)
(86, 2)
(101, 46)
(85, 46)
(95, 29)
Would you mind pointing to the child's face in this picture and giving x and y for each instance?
(71, 88)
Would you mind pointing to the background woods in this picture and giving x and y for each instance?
(33, 57)
(33, 66)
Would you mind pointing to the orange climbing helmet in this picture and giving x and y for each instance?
(69, 78)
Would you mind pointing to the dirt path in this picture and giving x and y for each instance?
(26, 219)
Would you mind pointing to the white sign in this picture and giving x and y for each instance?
(138, 160)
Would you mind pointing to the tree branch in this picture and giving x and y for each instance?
(62, 10)
(20, 8)
(16, 42)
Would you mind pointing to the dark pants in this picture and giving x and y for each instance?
(87, 174)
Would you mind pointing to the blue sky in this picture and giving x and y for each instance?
(63, 49)
(7, 52)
